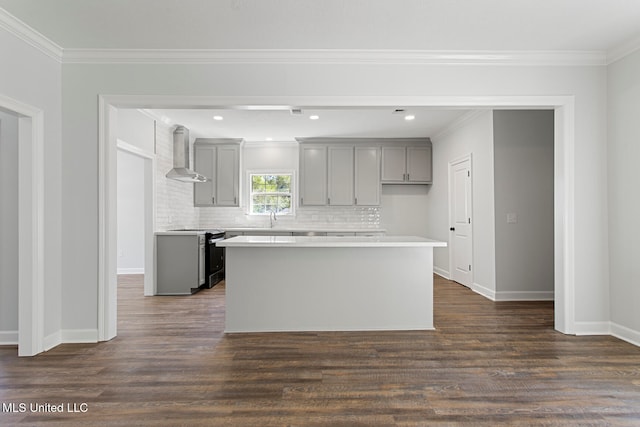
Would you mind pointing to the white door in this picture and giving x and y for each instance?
(461, 228)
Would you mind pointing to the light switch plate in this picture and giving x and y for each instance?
(512, 218)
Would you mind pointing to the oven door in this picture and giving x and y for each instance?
(215, 262)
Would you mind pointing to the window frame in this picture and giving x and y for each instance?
(293, 188)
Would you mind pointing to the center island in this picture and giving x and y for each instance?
(326, 283)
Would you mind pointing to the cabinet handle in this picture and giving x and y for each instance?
(408, 177)
(328, 200)
(301, 201)
(404, 176)
(235, 200)
(213, 200)
(356, 200)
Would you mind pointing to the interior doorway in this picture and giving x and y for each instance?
(30, 226)
(564, 215)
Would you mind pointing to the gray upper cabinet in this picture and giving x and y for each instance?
(367, 176)
(340, 176)
(313, 175)
(339, 172)
(218, 160)
(407, 164)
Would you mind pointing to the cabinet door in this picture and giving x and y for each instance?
(313, 176)
(340, 176)
(367, 179)
(227, 175)
(204, 159)
(419, 164)
(393, 164)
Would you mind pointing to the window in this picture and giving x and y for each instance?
(270, 193)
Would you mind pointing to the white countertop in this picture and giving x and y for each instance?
(307, 229)
(329, 241)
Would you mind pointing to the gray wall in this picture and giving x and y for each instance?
(8, 225)
(523, 179)
(624, 196)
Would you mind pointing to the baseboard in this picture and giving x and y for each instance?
(74, 336)
(485, 292)
(441, 272)
(8, 337)
(52, 340)
(138, 270)
(626, 334)
(524, 296)
(593, 328)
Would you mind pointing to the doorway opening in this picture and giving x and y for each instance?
(30, 225)
(563, 107)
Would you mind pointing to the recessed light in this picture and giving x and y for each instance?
(314, 117)
(409, 117)
(269, 138)
(166, 120)
(218, 118)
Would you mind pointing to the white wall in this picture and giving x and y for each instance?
(34, 78)
(83, 82)
(136, 129)
(130, 213)
(8, 227)
(472, 136)
(624, 196)
(523, 178)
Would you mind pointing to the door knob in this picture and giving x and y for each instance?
(452, 229)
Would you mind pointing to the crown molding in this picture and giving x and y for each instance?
(459, 123)
(623, 50)
(333, 56)
(30, 36)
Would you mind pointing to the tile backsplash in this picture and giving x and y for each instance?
(174, 205)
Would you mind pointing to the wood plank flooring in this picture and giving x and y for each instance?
(171, 365)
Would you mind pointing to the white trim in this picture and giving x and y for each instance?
(564, 169)
(335, 56)
(52, 340)
(8, 337)
(484, 291)
(592, 328)
(30, 36)
(623, 50)
(627, 334)
(137, 151)
(524, 296)
(135, 270)
(31, 230)
(441, 272)
(73, 336)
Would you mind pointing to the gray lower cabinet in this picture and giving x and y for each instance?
(180, 263)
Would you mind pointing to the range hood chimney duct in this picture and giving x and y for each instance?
(181, 171)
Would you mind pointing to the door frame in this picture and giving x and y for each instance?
(564, 171)
(469, 158)
(31, 225)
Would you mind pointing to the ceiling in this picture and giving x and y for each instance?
(281, 125)
(567, 25)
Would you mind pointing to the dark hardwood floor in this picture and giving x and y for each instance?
(171, 365)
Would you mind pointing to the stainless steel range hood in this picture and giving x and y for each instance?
(181, 171)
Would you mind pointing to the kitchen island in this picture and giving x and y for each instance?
(322, 283)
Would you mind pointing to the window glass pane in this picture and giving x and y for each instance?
(270, 193)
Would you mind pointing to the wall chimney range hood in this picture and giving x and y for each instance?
(181, 171)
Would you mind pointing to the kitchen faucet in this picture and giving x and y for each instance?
(272, 218)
